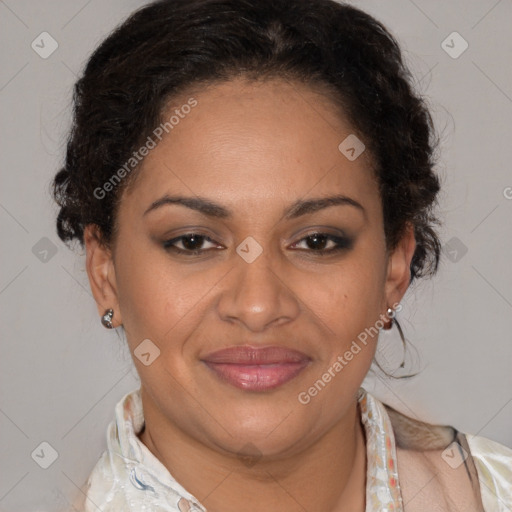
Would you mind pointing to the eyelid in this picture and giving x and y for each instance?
(171, 241)
(320, 230)
(341, 242)
(324, 230)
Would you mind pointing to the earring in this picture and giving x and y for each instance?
(106, 319)
(392, 315)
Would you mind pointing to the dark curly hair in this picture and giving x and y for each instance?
(170, 46)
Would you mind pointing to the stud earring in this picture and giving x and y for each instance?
(390, 313)
(106, 319)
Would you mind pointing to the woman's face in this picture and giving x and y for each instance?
(255, 163)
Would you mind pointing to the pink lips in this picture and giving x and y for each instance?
(256, 369)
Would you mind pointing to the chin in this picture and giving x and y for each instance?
(264, 436)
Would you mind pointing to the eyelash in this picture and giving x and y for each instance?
(342, 244)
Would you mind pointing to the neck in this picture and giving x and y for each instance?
(329, 475)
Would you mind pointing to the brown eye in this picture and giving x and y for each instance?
(191, 243)
(325, 243)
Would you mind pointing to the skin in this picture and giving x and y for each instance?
(254, 148)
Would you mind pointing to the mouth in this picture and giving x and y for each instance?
(256, 369)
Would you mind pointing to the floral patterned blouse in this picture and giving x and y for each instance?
(440, 468)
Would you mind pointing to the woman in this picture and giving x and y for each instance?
(253, 183)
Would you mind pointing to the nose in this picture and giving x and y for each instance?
(257, 295)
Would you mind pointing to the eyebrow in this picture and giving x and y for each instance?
(295, 210)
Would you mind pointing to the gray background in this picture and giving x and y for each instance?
(61, 372)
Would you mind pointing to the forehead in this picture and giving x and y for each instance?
(253, 143)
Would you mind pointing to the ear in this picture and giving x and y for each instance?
(102, 278)
(399, 267)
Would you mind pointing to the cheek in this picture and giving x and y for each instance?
(161, 303)
(346, 303)
(160, 298)
(347, 296)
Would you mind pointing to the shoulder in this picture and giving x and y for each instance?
(455, 467)
(494, 465)
(127, 477)
(114, 485)
(103, 490)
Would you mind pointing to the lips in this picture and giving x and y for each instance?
(256, 369)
